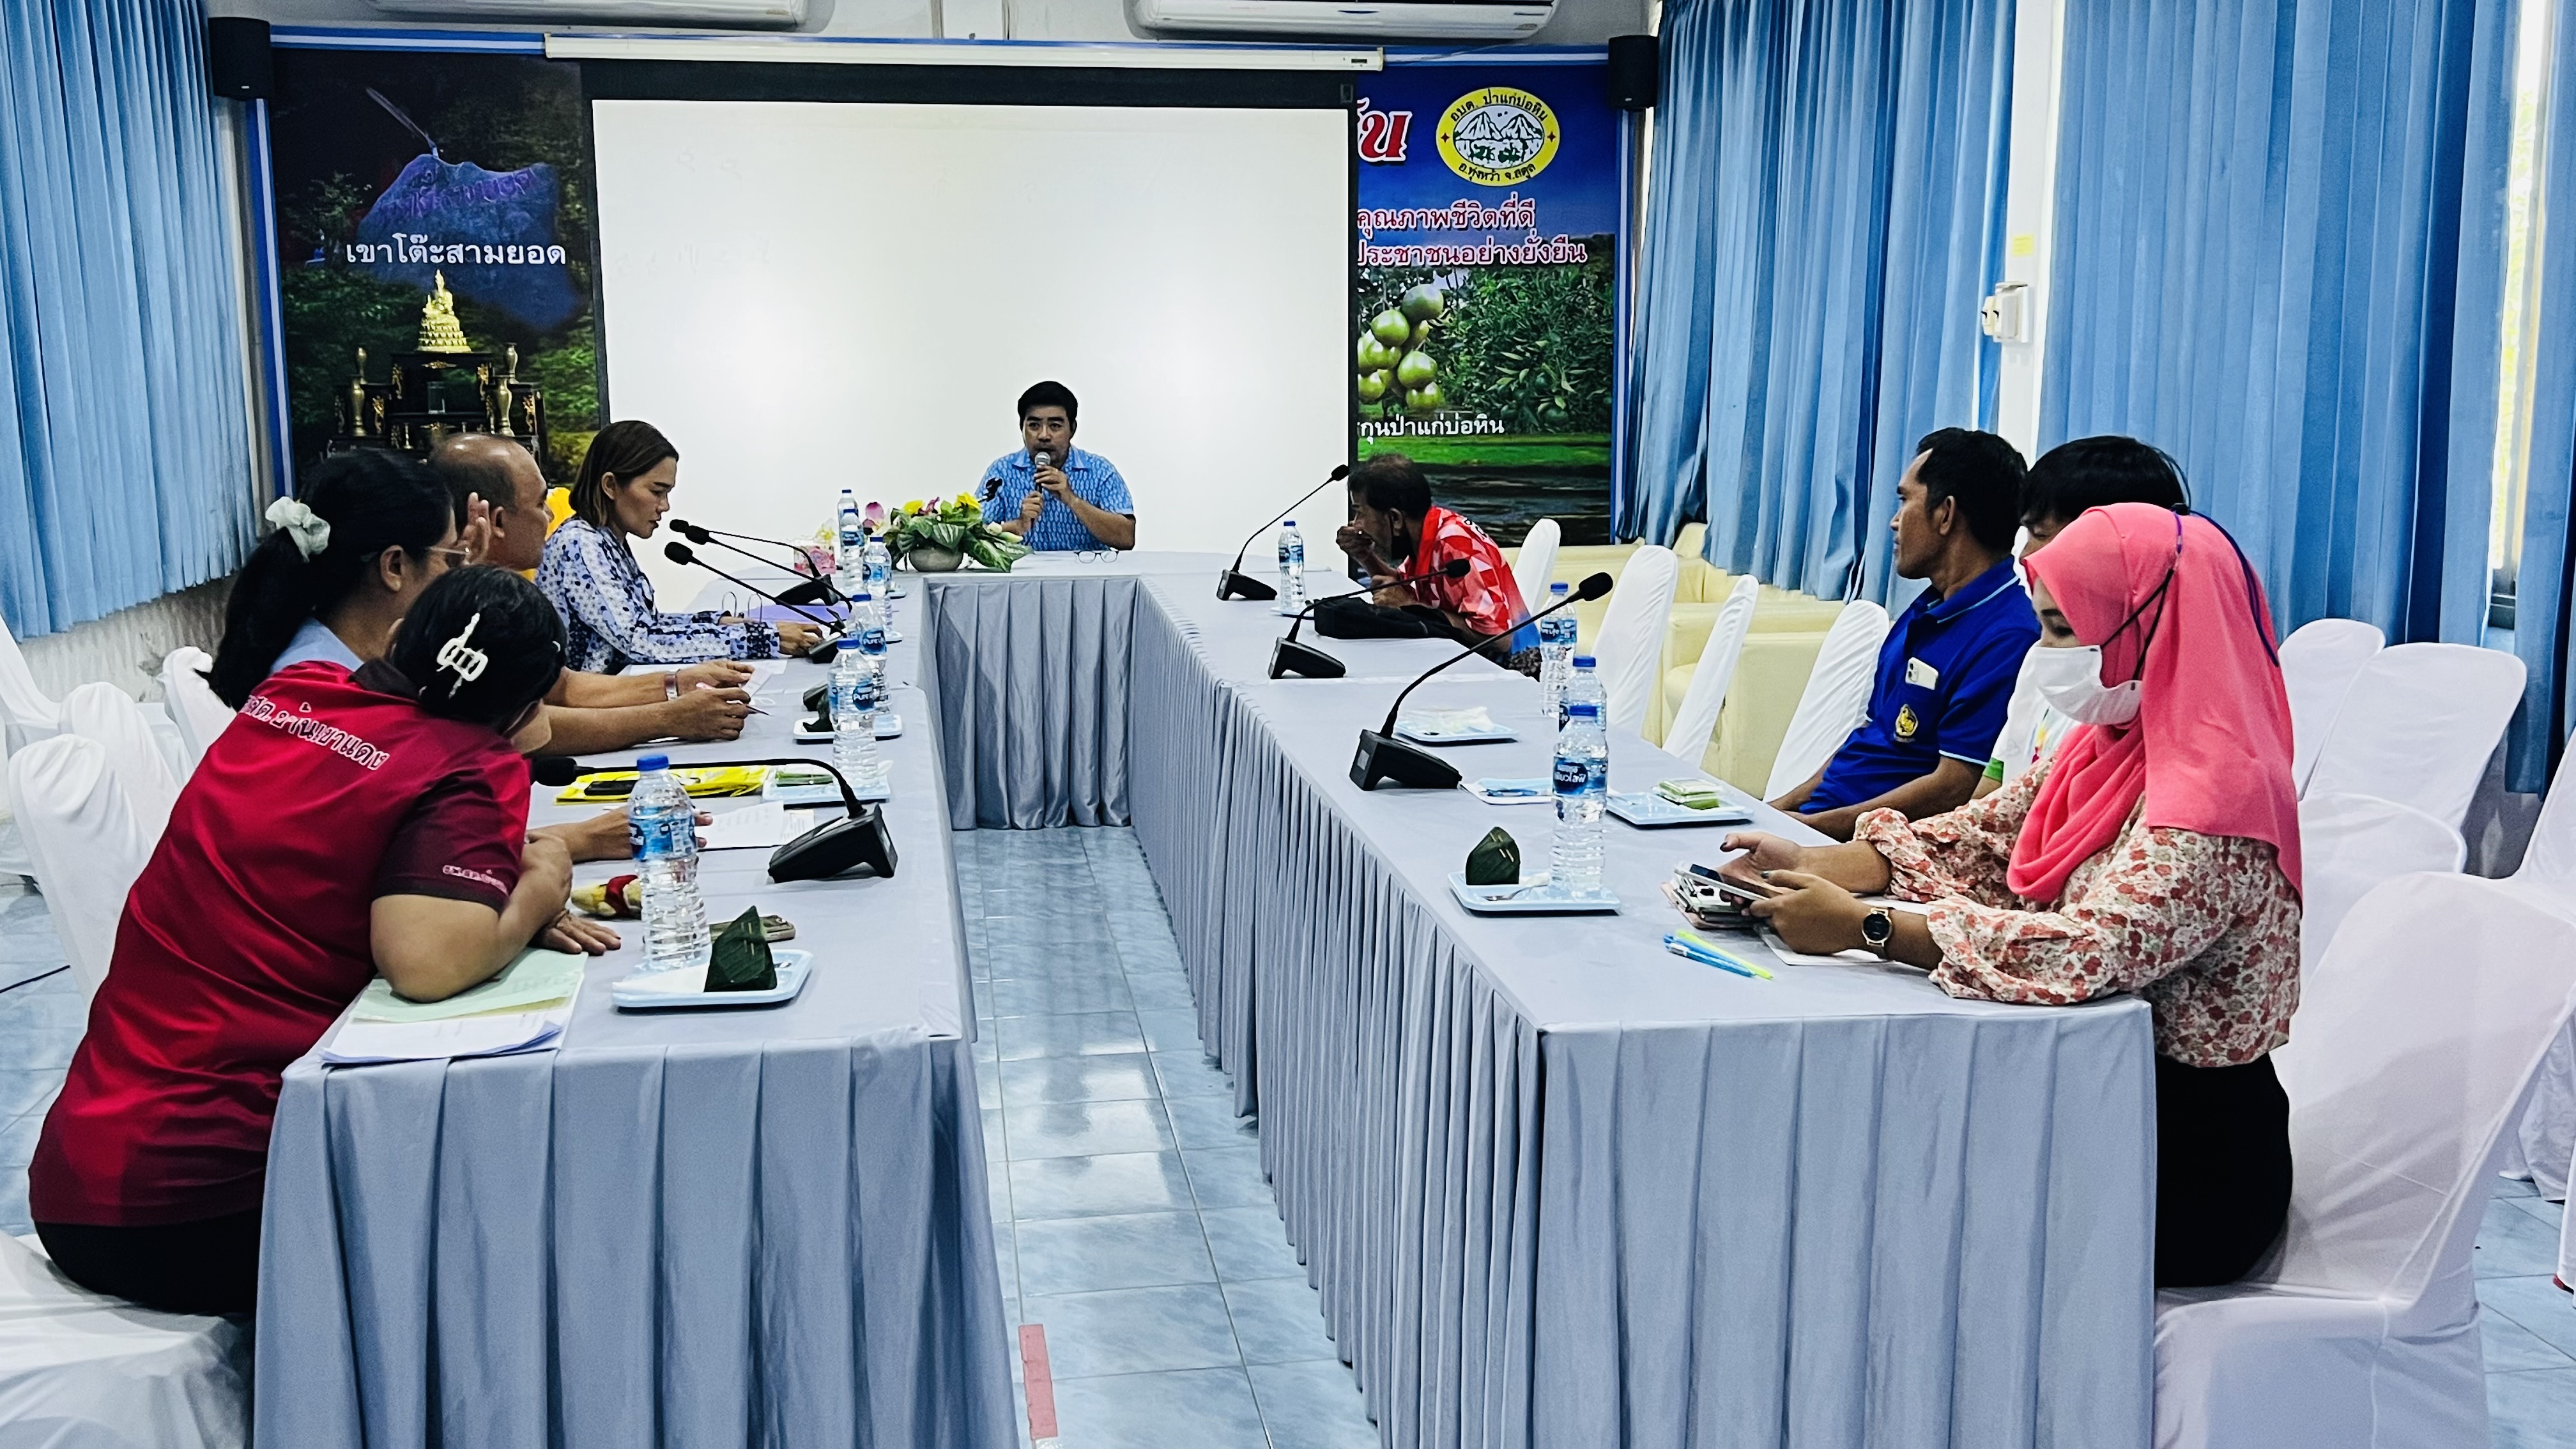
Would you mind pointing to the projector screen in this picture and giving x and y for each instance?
(810, 296)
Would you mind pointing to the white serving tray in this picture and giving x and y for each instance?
(1649, 811)
(1529, 898)
(792, 971)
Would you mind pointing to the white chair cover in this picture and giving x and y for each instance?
(2418, 726)
(80, 1370)
(1537, 560)
(85, 841)
(2349, 844)
(2413, 1046)
(1629, 654)
(1687, 736)
(1837, 696)
(2318, 662)
(2547, 1135)
(193, 705)
(25, 709)
(104, 713)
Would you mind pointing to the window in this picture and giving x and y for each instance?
(2526, 215)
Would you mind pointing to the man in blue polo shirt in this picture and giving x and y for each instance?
(1077, 501)
(1945, 674)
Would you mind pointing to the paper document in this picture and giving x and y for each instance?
(358, 1042)
(538, 978)
(759, 827)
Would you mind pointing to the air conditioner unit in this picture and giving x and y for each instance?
(1472, 20)
(717, 14)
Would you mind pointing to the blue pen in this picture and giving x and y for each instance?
(1707, 947)
(1723, 963)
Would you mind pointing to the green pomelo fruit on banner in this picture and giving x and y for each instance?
(1391, 327)
(1376, 356)
(1421, 333)
(1431, 396)
(1423, 303)
(1373, 385)
(1416, 369)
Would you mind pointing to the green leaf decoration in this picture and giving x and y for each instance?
(742, 961)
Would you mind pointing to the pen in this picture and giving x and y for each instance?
(1687, 945)
(1712, 948)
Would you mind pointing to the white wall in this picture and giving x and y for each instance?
(2030, 206)
(811, 296)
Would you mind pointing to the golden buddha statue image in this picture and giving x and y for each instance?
(439, 331)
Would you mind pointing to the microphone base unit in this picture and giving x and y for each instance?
(1236, 584)
(1290, 657)
(812, 591)
(857, 841)
(1384, 759)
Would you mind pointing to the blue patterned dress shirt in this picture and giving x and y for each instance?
(1094, 480)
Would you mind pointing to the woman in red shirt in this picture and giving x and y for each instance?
(344, 824)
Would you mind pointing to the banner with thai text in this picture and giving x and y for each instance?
(1485, 341)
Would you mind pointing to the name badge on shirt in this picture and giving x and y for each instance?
(1922, 675)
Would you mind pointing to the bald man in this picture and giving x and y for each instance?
(590, 713)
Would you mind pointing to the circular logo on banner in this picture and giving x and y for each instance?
(1498, 136)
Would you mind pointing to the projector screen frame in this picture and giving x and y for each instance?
(967, 85)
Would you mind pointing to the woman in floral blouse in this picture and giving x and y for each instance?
(607, 603)
(2158, 853)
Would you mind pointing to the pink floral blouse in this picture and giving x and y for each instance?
(2205, 927)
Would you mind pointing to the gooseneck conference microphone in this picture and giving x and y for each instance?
(681, 553)
(818, 854)
(1384, 757)
(1290, 657)
(811, 591)
(1234, 583)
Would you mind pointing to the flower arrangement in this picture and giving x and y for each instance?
(936, 535)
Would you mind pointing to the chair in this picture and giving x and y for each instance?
(2361, 1329)
(194, 707)
(1537, 560)
(2318, 662)
(87, 843)
(2349, 844)
(25, 710)
(1836, 698)
(2418, 725)
(81, 1370)
(1689, 733)
(2547, 879)
(102, 712)
(1631, 643)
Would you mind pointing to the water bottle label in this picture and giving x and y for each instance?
(1576, 776)
(662, 834)
(872, 641)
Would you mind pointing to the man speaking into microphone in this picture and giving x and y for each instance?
(1396, 530)
(1051, 493)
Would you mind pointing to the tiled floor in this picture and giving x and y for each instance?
(1129, 1213)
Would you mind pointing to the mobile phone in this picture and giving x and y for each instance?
(610, 789)
(1738, 891)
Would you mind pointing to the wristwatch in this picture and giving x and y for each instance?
(1878, 928)
(671, 685)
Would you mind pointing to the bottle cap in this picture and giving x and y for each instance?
(1583, 711)
(1287, 523)
(862, 597)
(1557, 588)
(649, 763)
(1582, 661)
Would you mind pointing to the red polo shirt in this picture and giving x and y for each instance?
(1488, 597)
(247, 934)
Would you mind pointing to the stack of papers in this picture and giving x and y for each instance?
(763, 827)
(521, 1009)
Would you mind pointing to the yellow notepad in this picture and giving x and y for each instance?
(712, 781)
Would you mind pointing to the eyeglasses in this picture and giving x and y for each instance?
(455, 558)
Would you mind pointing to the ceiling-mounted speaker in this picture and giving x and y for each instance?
(237, 59)
(1635, 72)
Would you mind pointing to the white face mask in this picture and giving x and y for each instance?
(2071, 681)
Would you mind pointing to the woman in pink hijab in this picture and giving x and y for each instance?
(2158, 853)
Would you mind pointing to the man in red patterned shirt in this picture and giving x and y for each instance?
(1396, 530)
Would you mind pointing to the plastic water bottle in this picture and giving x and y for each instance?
(850, 561)
(880, 570)
(1582, 686)
(663, 827)
(1582, 788)
(867, 638)
(854, 719)
(1292, 567)
(1555, 654)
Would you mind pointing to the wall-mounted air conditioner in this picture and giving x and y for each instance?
(1356, 20)
(718, 14)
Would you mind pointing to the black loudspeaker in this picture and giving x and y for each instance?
(1635, 72)
(237, 59)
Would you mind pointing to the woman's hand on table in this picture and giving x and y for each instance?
(1762, 851)
(798, 638)
(1811, 913)
(709, 712)
(601, 837)
(579, 934)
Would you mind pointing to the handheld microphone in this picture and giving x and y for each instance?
(812, 591)
(681, 553)
(1383, 757)
(1234, 583)
(818, 854)
(1290, 657)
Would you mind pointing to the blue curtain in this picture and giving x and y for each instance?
(2544, 588)
(2279, 252)
(1828, 188)
(124, 449)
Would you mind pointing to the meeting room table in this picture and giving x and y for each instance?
(1557, 1186)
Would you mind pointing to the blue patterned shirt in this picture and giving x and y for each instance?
(1094, 480)
(609, 616)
